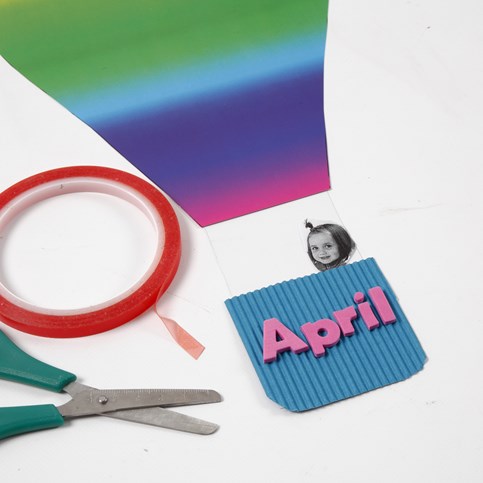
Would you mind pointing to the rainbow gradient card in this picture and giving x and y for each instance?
(219, 102)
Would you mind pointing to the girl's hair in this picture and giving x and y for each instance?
(344, 242)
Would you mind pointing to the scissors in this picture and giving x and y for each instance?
(146, 406)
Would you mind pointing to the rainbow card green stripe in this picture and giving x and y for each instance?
(220, 102)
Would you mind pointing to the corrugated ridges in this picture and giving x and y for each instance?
(365, 361)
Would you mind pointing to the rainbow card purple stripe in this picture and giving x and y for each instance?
(220, 102)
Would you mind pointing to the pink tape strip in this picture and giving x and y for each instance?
(185, 340)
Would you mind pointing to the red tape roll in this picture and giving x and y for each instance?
(144, 294)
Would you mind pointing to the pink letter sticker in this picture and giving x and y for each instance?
(278, 338)
(366, 311)
(344, 318)
(381, 303)
(318, 342)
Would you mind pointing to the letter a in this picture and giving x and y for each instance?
(278, 338)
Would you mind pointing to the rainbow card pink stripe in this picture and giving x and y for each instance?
(220, 102)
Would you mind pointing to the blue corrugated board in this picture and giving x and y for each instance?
(365, 361)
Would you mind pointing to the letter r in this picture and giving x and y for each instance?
(344, 318)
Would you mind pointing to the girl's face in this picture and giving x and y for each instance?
(323, 247)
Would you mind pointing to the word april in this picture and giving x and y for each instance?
(325, 333)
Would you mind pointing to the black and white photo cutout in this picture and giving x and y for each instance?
(329, 245)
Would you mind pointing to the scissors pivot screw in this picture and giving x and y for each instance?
(103, 400)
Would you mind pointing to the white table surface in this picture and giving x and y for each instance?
(404, 124)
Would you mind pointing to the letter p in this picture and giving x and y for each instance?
(318, 342)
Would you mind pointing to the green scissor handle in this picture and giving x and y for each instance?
(16, 365)
(24, 419)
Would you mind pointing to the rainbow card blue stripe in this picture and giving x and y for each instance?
(219, 102)
(367, 360)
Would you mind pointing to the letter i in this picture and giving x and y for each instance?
(366, 311)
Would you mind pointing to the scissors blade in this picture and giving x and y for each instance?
(88, 401)
(164, 418)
